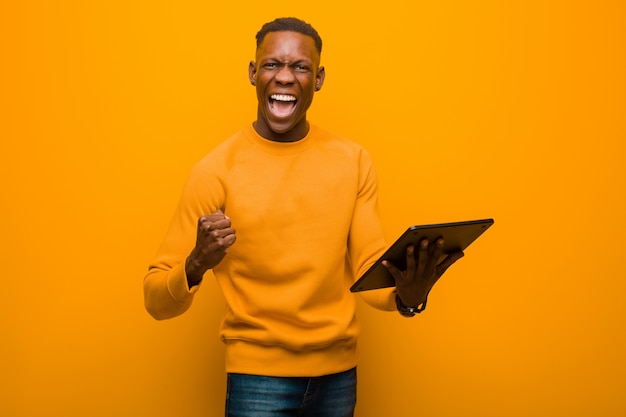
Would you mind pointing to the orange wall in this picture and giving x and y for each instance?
(512, 110)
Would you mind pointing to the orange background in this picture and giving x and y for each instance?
(511, 110)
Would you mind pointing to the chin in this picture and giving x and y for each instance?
(281, 129)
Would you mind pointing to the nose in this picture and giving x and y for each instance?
(285, 75)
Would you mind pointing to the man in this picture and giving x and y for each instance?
(304, 202)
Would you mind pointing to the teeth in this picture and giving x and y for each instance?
(282, 97)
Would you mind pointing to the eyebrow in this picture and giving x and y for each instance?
(296, 62)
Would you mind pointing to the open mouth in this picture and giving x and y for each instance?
(282, 105)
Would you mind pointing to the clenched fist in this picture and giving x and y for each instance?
(214, 236)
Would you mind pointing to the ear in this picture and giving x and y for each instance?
(319, 79)
(252, 72)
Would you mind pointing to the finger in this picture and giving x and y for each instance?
(222, 244)
(204, 223)
(410, 261)
(215, 217)
(394, 271)
(218, 214)
(207, 223)
(222, 233)
(220, 224)
(218, 240)
(229, 239)
(449, 261)
(422, 256)
(434, 253)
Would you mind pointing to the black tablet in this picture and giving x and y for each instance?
(457, 236)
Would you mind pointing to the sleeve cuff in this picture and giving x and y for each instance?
(177, 284)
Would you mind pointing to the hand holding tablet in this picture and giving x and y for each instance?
(457, 236)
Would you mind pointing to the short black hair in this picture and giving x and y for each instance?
(289, 24)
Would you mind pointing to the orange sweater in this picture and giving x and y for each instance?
(307, 224)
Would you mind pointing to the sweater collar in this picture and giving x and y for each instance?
(280, 147)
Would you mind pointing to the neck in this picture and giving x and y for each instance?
(296, 133)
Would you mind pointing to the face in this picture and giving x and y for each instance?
(286, 75)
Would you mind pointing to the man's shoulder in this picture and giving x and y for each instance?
(224, 153)
(340, 145)
(232, 143)
(326, 136)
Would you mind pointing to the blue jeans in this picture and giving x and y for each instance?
(264, 396)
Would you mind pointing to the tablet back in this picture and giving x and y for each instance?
(457, 236)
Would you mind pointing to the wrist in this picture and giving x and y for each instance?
(194, 272)
(411, 310)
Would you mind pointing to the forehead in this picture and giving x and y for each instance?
(287, 45)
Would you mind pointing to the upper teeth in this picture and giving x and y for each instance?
(282, 97)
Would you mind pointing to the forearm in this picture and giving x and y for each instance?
(383, 299)
(194, 272)
(167, 292)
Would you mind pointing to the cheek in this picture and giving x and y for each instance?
(307, 85)
(260, 89)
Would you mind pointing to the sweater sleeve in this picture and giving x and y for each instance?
(166, 291)
(366, 242)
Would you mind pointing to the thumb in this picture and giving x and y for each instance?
(219, 212)
(448, 261)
